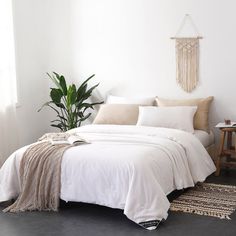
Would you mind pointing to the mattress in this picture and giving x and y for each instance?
(205, 138)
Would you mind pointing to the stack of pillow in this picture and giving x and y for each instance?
(187, 114)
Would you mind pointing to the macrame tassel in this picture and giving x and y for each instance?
(187, 62)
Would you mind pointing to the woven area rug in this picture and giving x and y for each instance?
(207, 199)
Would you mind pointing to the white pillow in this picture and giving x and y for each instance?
(145, 101)
(179, 117)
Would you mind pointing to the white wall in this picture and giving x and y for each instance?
(42, 45)
(127, 45)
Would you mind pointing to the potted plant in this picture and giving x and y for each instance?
(69, 102)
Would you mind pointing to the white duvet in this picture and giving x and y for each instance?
(126, 167)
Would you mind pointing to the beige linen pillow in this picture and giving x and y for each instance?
(117, 114)
(201, 118)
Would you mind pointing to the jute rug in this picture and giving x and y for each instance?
(207, 199)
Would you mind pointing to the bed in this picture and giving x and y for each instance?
(137, 154)
(127, 167)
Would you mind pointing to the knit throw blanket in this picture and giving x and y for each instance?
(40, 176)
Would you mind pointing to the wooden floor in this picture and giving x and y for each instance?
(92, 220)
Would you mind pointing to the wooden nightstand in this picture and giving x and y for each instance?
(227, 151)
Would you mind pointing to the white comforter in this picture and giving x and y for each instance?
(126, 167)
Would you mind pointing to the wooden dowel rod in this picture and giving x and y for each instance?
(198, 37)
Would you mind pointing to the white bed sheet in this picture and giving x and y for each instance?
(205, 138)
(126, 167)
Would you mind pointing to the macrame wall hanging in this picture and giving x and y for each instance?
(187, 57)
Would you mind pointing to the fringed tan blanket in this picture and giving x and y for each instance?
(40, 173)
(207, 199)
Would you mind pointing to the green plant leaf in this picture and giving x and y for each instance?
(58, 126)
(80, 114)
(61, 105)
(57, 75)
(44, 105)
(83, 88)
(71, 95)
(86, 81)
(89, 92)
(92, 105)
(85, 117)
(82, 105)
(55, 121)
(62, 117)
(68, 102)
(56, 95)
(97, 103)
(54, 80)
(81, 91)
(49, 105)
(63, 84)
(59, 81)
